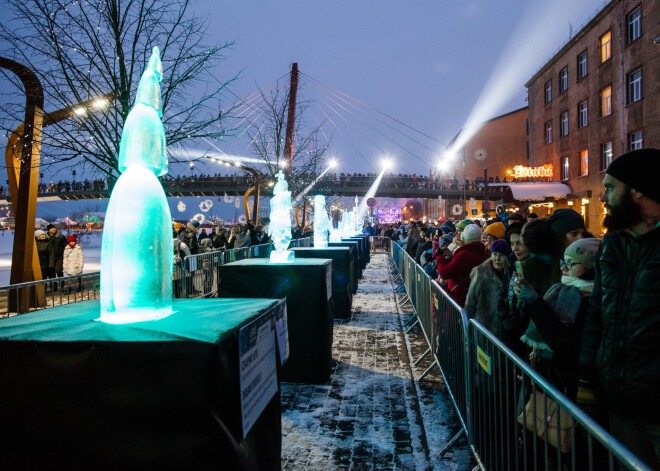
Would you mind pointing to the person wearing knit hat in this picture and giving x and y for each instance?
(39, 233)
(471, 233)
(568, 225)
(190, 236)
(495, 231)
(43, 251)
(619, 344)
(501, 246)
(463, 224)
(177, 227)
(74, 260)
(582, 252)
(446, 229)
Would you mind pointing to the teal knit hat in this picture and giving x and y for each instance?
(463, 224)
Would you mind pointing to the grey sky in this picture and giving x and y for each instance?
(425, 63)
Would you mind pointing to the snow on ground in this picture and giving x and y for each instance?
(90, 242)
(371, 414)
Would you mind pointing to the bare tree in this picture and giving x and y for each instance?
(268, 139)
(82, 49)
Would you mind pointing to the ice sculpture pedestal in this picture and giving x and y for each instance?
(282, 257)
(150, 395)
(307, 286)
(342, 293)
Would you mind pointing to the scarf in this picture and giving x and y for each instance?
(585, 286)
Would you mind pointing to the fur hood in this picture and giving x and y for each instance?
(482, 298)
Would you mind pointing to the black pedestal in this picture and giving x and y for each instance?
(307, 286)
(341, 279)
(356, 270)
(361, 252)
(79, 394)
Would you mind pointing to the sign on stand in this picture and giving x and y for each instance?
(258, 368)
(371, 202)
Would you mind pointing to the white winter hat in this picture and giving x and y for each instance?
(471, 233)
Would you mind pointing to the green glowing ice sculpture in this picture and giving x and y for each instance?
(321, 222)
(136, 254)
(280, 221)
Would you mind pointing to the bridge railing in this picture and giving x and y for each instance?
(514, 419)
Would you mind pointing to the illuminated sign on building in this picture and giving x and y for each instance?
(388, 216)
(522, 172)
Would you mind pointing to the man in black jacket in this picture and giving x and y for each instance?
(622, 331)
(56, 256)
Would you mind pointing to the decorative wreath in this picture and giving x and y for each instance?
(206, 205)
(181, 206)
(457, 210)
(199, 218)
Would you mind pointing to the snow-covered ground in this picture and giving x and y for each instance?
(90, 243)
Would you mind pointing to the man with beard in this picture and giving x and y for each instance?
(622, 331)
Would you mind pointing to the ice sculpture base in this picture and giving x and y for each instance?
(130, 315)
(286, 256)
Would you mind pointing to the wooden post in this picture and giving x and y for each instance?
(291, 117)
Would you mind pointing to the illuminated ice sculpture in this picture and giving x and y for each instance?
(321, 222)
(136, 252)
(279, 228)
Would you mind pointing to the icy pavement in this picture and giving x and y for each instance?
(371, 414)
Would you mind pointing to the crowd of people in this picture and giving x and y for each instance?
(584, 312)
(59, 256)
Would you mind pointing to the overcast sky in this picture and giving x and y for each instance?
(429, 64)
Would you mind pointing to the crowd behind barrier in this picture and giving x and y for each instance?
(327, 182)
(513, 418)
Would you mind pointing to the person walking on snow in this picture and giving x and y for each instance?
(74, 260)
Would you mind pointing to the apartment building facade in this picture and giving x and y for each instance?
(596, 99)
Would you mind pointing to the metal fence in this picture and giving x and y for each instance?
(514, 419)
(37, 295)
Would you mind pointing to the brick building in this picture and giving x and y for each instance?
(597, 98)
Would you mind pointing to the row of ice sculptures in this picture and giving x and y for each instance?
(136, 253)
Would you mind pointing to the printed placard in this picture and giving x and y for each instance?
(282, 330)
(484, 360)
(257, 366)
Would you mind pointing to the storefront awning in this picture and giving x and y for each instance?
(536, 191)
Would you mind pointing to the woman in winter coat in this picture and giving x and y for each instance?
(73, 257)
(43, 250)
(456, 268)
(485, 287)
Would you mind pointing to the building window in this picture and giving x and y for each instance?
(527, 127)
(563, 80)
(582, 114)
(636, 140)
(605, 46)
(564, 168)
(634, 24)
(635, 86)
(606, 155)
(563, 128)
(548, 92)
(584, 162)
(548, 132)
(606, 101)
(582, 65)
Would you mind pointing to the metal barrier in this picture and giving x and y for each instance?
(304, 242)
(503, 405)
(37, 295)
(199, 277)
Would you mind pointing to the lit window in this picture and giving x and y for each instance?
(606, 101)
(634, 25)
(635, 86)
(636, 140)
(584, 162)
(548, 132)
(563, 80)
(606, 155)
(564, 168)
(582, 114)
(548, 92)
(582, 65)
(605, 46)
(563, 128)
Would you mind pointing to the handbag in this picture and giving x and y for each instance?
(536, 422)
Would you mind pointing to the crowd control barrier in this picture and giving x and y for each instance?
(513, 418)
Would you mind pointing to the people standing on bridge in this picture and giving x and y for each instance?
(621, 336)
(57, 245)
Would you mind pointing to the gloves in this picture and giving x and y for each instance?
(586, 398)
(525, 294)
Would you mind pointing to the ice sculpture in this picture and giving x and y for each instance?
(279, 228)
(345, 226)
(321, 222)
(136, 252)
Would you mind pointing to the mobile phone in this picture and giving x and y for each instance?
(519, 271)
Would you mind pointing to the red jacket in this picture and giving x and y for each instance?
(457, 270)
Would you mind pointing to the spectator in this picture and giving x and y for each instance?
(502, 215)
(203, 235)
(424, 244)
(260, 236)
(485, 287)
(531, 216)
(73, 259)
(622, 331)
(494, 232)
(568, 225)
(368, 230)
(190, 236)
(220, 239)
(57, 245)
(456, 268)
(43, 250)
